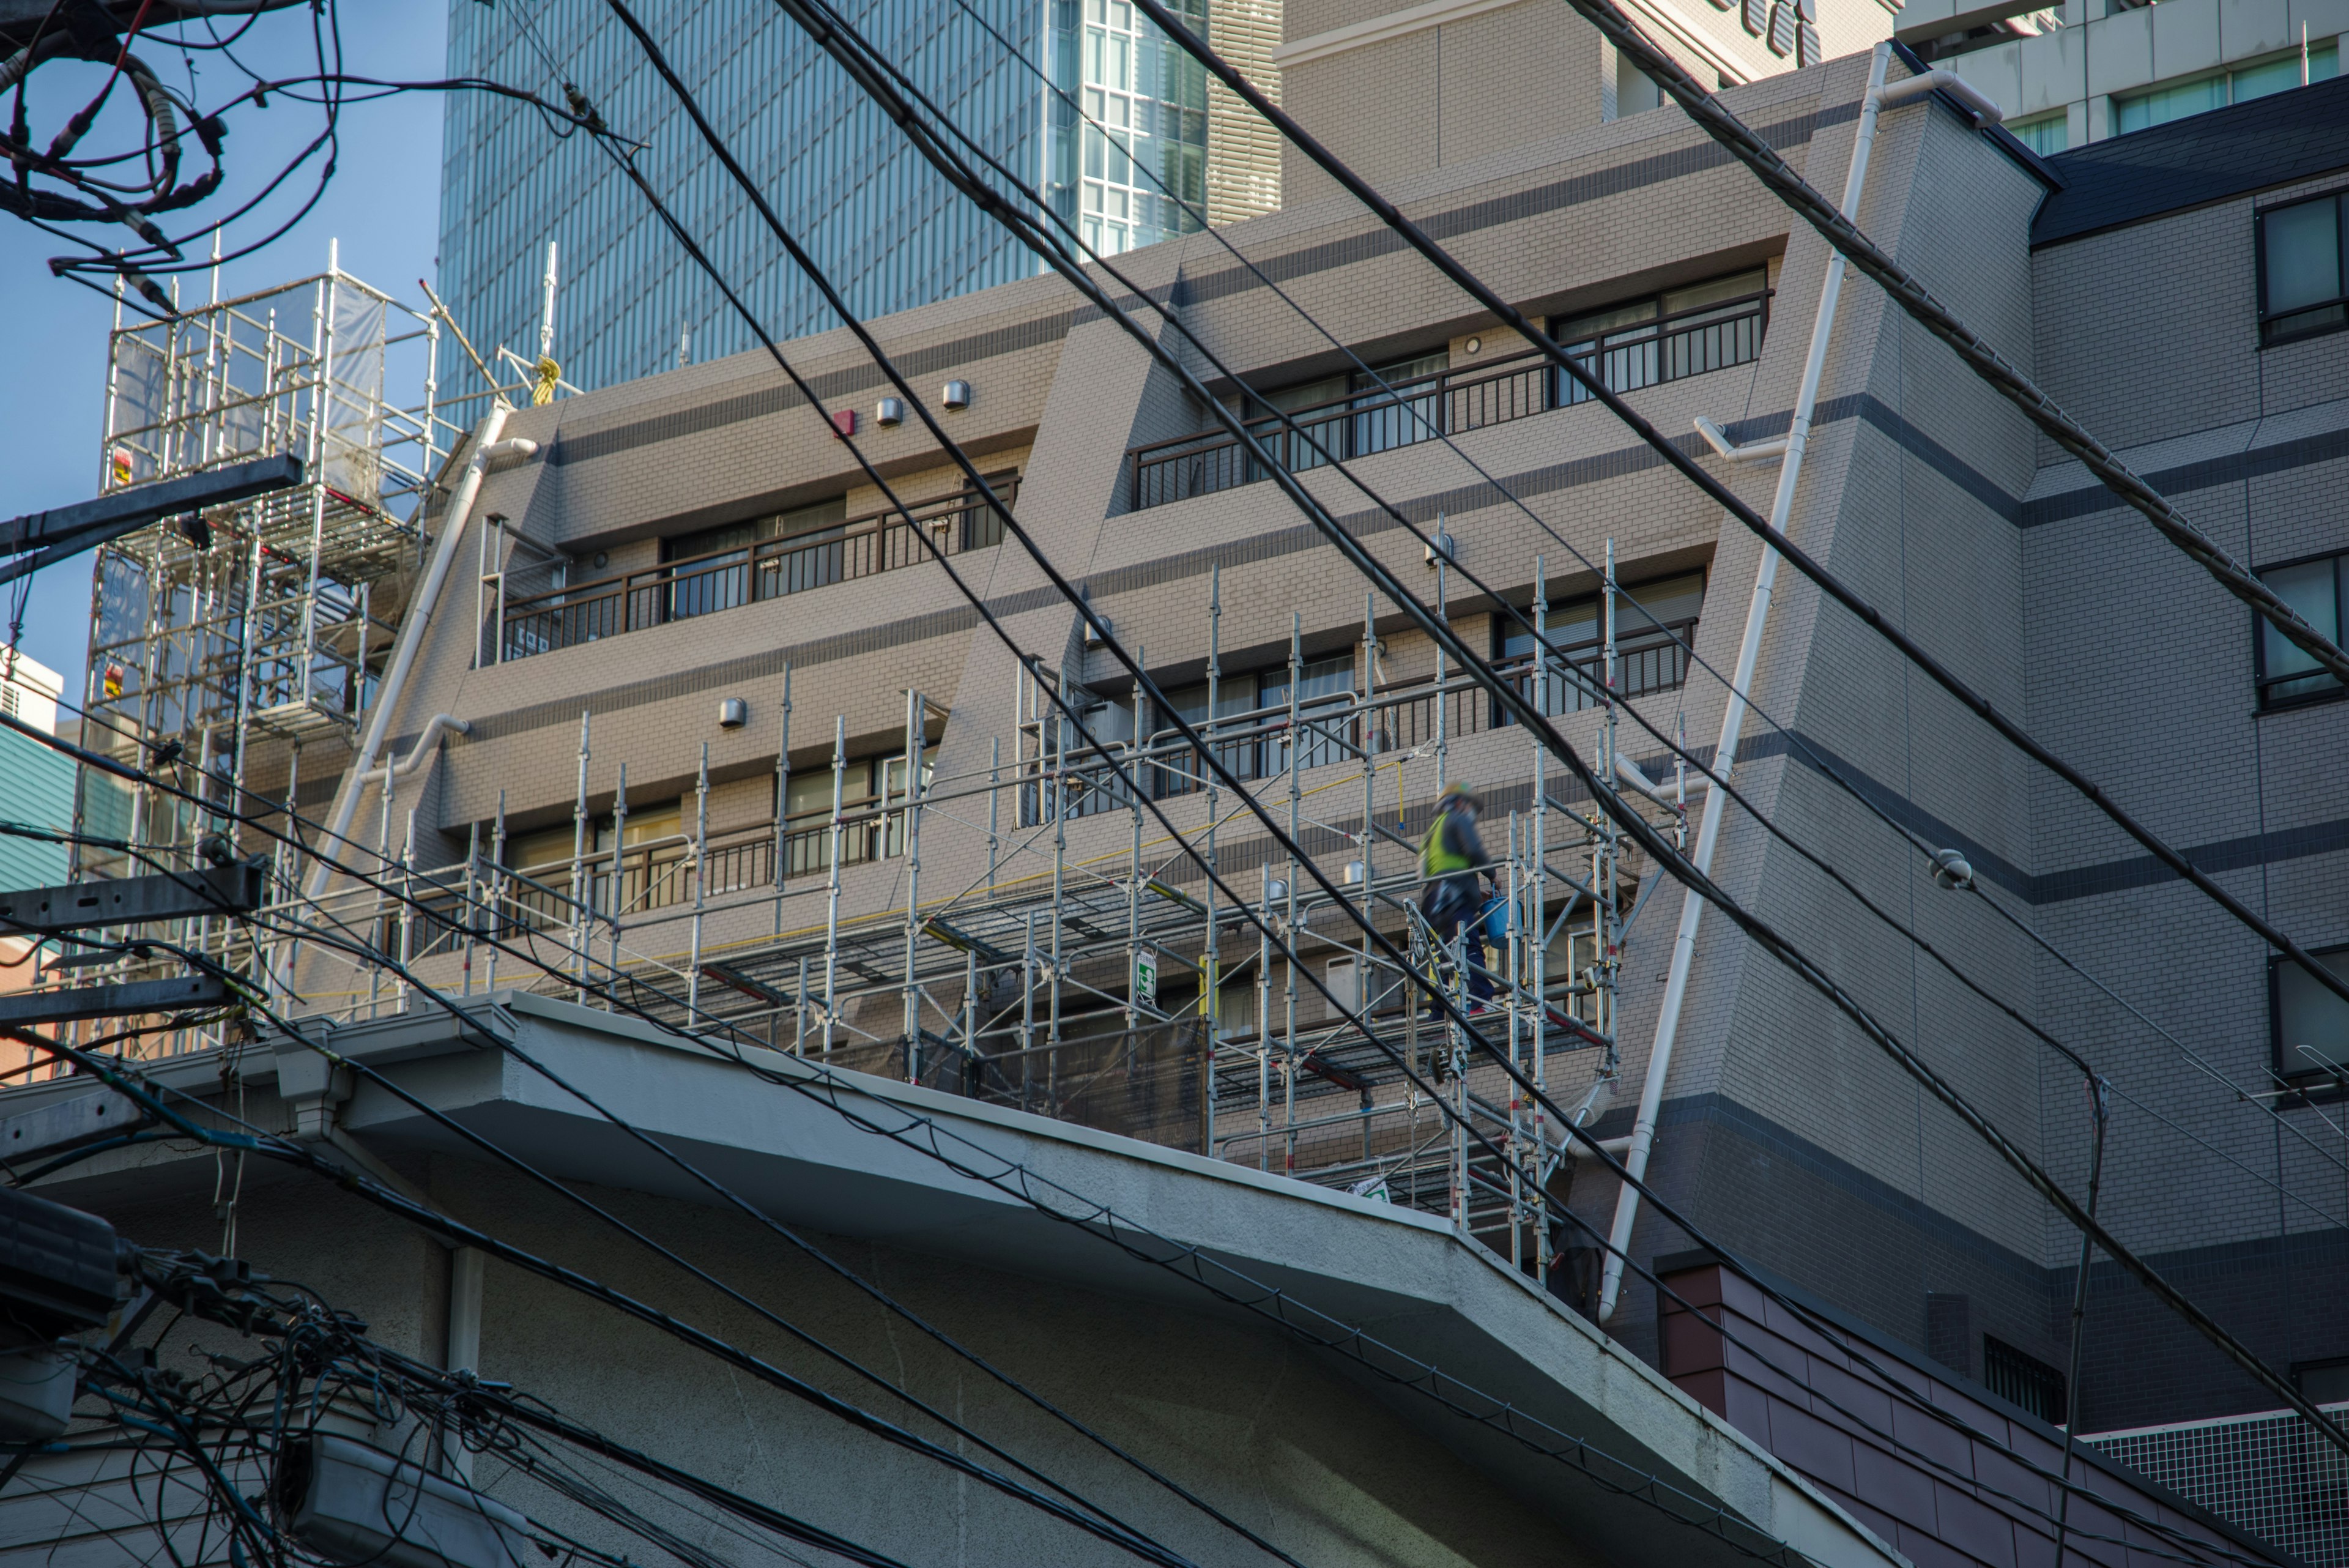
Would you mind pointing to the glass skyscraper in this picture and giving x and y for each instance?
(885, 226)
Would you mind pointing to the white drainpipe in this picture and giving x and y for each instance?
(1733, 716)
(486, 447)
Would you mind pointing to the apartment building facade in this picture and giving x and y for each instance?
(2080, 72)
(708, 670)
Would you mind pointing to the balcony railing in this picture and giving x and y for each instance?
(1449, 402)
(1402, 716)
(725, 579)
(1671, 348)
(659, 874)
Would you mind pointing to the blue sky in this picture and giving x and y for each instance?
(383, 204)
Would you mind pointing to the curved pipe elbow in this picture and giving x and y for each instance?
(1977, 103)
(434, 728)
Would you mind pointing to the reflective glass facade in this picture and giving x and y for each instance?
(1144, 127)
(885, 226)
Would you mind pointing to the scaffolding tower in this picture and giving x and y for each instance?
(263, 622)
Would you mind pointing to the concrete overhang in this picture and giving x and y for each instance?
(846, 1154)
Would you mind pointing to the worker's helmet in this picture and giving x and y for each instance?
(1458, 794)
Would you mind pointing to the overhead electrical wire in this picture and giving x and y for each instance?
(1627, 1480)
(1683, 648)
(834, 34)
(1883, 915)
(1909, 648)
(275, 1146)
(1469, 661)
(1891, 1384)
(1975, 351)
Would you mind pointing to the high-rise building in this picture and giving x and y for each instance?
(1135, 165)
(38, 783)
(1081, 99)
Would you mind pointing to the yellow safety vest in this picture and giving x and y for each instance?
(1434, 859)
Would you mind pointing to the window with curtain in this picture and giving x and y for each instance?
(1234, 694)
(1647, 620)
(712, 567)
(2177, 100)
(2286, 676)
(1686, 331)
(2309, 1023)
(1325, 690)
(1398, 417)
(2047, 135)
(2302, 288)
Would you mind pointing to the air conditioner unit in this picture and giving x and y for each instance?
(353, 1504)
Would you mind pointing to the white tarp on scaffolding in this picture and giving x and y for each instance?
(354, 435)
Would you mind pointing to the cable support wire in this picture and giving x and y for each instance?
(1664, 1289)
(1079, 720)
(834, 36)
(1435, 430)
(317, 1363)
(455, 1231)
(1874, 620)
(1613, 1474)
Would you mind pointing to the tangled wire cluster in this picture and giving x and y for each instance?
(217, 1463)
(53, 182)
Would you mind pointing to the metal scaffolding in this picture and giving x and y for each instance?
(1111, 987)
(1114, 986)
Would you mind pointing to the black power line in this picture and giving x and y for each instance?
(841, 41)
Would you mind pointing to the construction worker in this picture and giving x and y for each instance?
(1450, 858)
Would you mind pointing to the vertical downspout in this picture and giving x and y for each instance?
(1732, 717)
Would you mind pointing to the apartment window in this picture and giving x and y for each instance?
(807, 812)
(2047, 135)
(1647, 659)
(1688, 331)
(1325, 692)
(2175, 100)
(2287, 677)
(2309, 1024)
(1325, 696)
(712, 566)
(2324, 1382)
(2023, 1379)
(2301, 289)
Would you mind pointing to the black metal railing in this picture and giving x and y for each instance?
(725, 579)
(1670, 348)
(1449, 402)
(1654, 657)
